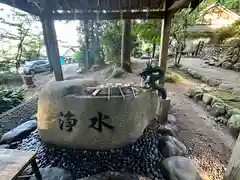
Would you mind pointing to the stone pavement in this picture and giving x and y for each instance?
(225, 77)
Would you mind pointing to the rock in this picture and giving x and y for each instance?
(204, 79)
(33, 117)
(184, 69)
(232, 171)
(168, 130)
(117, 72)
(232, 111)
(207, 98)
(180, 168)
(236, 67)
(236, 51)
(191, 92)
(213, 82)
(54, 173)
(221, 120)
(19, 132)
(225, 86)
(197, 75)
(234, 121)
(171, 119)
(198, 96)
(216, 100)
(236, 91)
(218, 110)
(115, 176)
(192, 72)
(170, 146)
(4, 146)
(234, 58)
(67, 112)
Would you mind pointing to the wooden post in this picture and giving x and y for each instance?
(86, 37)
(46, 46)
(164, 43)
(51, 40)
(126, 46)
(52, 46)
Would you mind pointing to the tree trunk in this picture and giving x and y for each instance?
(126, 45)
(100, 61)
(153, 50)
(86, 52)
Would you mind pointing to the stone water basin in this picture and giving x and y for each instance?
(70, 116)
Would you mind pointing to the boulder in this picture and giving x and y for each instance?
(180, 168)
(170, 146)
(4, 146)
(213, 82)
(236, 91)
(115, 176)
(192, 92)
(171, 119)
(234, 121)
(198, 96)
(117, 72)
(207, 98)
(218, 110)
(54, 173)
(216, 100)
(232, 111)
(19, 132)
(197, 75)
(168, 130)
(226, 86)
(221, 120)
(204, 79)
(192, 72)
(236, 67)
(100, 122)
(234, 58)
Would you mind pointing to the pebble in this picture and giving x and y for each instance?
(142, 157)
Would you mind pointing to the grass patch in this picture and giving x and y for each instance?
(221, 94)
(171, 77)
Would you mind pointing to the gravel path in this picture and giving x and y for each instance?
(209, 143)
(223, 75)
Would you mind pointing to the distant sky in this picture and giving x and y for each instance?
(65, 31)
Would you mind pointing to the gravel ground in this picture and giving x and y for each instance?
(17, 115)
(142, 157)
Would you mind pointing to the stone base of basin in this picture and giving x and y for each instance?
(69, 117)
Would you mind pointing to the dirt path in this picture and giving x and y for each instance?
(209, 143)
(223, 75)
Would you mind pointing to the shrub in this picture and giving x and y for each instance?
(8, 77)
(10, 98)
(229, 32)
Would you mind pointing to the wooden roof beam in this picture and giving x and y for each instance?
(108, 16)
(22, 5)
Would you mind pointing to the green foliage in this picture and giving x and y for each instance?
(232, 31)
(21, 37)
(79, 58)
(111, 37)
(171, 77)
(149, 30)
(8, 77)
(10, 98)
(111, 42)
